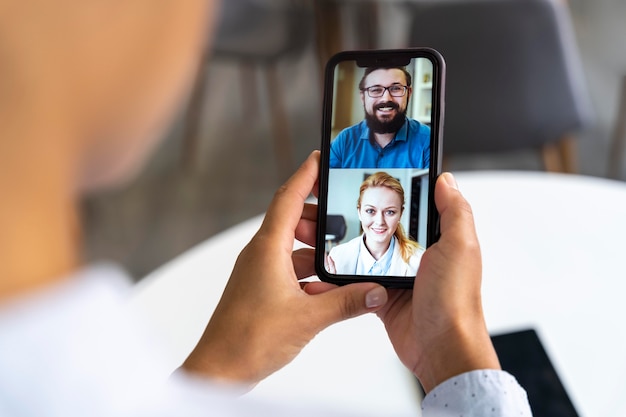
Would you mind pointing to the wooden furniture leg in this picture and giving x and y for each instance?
(327, 30)
(616, 156)
(283, 146)
(560, 156)
(193, 119)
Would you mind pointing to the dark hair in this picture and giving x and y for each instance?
(369, 70)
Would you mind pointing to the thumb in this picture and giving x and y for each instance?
(456, 218)
(334, 304)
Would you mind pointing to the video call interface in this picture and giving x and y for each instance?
(380, 139)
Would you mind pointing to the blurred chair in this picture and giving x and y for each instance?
(345, 24)
(335, 230)
(618, 142)
(255, 34)
(514, 77)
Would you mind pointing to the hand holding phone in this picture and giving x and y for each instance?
(246, 348)
(438, 329)
(381, 154)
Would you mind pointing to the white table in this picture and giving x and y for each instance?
(554, 259)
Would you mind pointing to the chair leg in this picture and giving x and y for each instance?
(616, 157)
(330, 27)
(328, 30)
(551, 159)
(367, 28)
(250, 102)
(192, 120)
(283, 146)
(560, 156)
(569, 154)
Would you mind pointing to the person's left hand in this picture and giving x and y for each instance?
(265, 316)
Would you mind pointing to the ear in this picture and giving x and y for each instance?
(362, 95)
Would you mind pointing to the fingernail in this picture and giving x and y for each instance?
(376, 297)
(450, 180)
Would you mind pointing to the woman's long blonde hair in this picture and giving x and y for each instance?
(381, 179)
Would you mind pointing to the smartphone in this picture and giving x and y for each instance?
(523, 356)
(380, 157)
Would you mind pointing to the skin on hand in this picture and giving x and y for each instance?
(438, 328)
(265, 316)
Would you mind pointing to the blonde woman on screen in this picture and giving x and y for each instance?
(383, 248)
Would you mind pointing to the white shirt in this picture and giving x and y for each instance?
(76, 350)
(351, 258)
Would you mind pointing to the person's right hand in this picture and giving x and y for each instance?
(266, 315)
(438, 328)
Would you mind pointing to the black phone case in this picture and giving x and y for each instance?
(365, 58)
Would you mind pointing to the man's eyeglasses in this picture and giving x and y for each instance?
(395, 90)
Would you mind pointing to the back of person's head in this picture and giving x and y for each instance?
(103, 77)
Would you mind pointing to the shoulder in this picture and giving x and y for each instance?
(410, 267)
(416, 258)
(418, 127)
(352, 132)
(345, 256)
(347, 247)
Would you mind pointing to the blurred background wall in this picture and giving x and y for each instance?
(245, 107)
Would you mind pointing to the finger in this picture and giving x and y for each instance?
(458, 244)
(318, 287)
(309, 212)
(306, 230)
(396, 299)
(304, 263)
(454, 211)
(316, 190)
(286, 208)
(341, 303)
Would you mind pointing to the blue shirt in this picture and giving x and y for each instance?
(410, 148)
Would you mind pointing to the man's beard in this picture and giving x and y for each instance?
(386, 126)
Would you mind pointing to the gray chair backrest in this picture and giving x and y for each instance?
(336, 226)
(262, 30)
(514, 77)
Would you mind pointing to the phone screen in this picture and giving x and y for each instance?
(381, 142)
